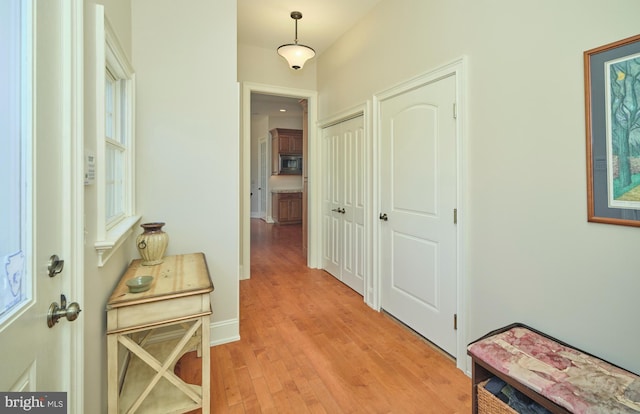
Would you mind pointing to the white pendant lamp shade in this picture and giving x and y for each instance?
(296, 54)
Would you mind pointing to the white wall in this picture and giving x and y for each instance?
(260, 65)
(531, 256)
(99, 282)
(188, 140)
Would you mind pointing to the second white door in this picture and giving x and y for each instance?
(418, 197)
(343, 195)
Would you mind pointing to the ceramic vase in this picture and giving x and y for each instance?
(152, 243)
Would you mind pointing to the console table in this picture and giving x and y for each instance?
(148, 332)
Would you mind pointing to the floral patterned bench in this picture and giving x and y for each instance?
(557, 376)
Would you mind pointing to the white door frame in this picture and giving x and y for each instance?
(75, 117)
(459, 69)
(313, 257)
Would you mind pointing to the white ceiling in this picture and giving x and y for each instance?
(271, 105)
(268, 24)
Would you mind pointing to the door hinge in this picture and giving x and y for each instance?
(455, 321)
(455, 111)
(455, 216)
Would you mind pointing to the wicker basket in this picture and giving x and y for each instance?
(490, 404)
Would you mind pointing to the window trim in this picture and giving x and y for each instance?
(109, 54)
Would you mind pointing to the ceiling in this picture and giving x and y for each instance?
(271, 105)
(268, 24)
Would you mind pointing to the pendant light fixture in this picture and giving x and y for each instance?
(296, 54)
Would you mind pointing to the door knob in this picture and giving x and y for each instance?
(56, 312)
(341, 210)
(383, 217)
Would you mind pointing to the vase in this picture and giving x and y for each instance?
(152, 243)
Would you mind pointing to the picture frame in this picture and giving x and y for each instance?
(612, 114)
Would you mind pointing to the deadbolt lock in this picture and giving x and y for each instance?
(55, 265)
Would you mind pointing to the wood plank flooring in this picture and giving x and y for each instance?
(310, 345)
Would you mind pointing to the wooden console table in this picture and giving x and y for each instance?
(142, 345)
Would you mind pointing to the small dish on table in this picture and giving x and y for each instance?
(139, 284)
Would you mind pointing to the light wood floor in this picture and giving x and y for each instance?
(310, 345)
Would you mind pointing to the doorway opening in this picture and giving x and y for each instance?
(261, 105)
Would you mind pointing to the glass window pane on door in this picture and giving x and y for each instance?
(14, 285)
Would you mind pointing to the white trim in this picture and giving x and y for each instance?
(458, 68)
(114, 239)
(313, 258)
(76, 220)
(224, 332)
(109, 52)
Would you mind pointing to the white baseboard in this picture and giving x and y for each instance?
(224, 332)
(243, 276)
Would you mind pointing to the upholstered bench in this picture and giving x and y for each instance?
(555, 375)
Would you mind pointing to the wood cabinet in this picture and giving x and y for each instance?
(287, 141)
(287, 208)
(284, 142)
(142, 354)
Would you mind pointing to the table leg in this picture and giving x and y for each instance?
(206, 365)
(112, 373)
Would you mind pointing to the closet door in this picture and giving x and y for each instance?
(343, 206)
(331, 237)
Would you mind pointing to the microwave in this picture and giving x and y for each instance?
(290, 164)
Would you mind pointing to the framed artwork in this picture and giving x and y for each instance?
(612, 107)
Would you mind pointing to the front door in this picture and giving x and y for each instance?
(35, 357)
(418, 197)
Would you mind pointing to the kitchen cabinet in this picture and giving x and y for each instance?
(287, 141)
(284, 142)
(287, 207)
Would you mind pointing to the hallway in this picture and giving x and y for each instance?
(310, 344)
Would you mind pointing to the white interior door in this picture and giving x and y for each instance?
(344, 202)
(331, 200)
(263, 171)
(418, 195)
(35, 357)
